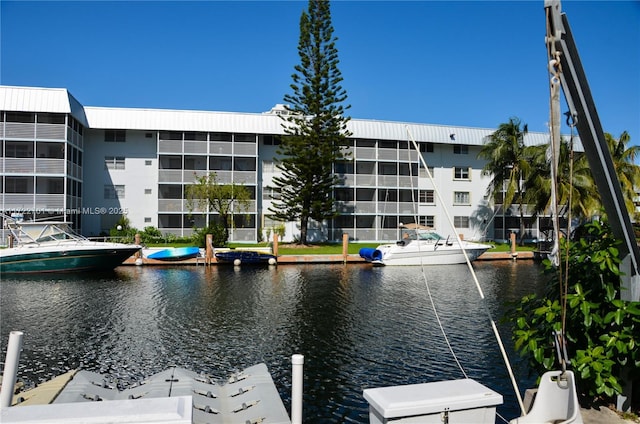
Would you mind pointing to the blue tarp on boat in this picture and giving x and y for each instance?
(245, 257)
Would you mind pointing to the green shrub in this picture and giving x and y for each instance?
(602, 331)
(217, 231)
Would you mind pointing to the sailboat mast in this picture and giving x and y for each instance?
(583, 111)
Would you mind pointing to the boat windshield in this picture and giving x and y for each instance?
(429, 235)
(42, 232)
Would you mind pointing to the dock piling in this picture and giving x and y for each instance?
(11, 368)
(297, 381)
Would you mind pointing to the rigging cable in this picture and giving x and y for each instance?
(422, 265)
(565, 283)
(555, 69)
(475, 279)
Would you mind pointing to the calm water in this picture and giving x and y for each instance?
(357, 326)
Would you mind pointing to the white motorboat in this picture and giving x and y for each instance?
(52, 246)
(423, 246)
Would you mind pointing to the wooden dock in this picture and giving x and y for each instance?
(323, 259)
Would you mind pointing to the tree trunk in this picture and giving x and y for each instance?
(521, 242)
(304, 222)
(225, 220)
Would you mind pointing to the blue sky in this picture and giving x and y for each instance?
(463, 63)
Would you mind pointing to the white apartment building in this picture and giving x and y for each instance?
(95, 164)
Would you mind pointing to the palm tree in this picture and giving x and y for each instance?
(624, 163)
(507, 165)
(576, 188)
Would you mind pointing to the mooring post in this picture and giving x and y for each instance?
(275, 245)
(345, 247)
(209, 249)
(514, 254)
(11, 368)
(137, 240)
(297, 381)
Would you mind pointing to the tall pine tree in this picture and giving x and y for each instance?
(315, 128)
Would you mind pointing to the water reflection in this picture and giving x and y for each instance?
(357, 326)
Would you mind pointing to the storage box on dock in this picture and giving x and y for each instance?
(454, 401)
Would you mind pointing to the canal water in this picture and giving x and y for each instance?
(357, 326)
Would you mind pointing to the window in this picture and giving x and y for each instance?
(220, 137)
(19, 149)
(245, 138)
(244, 164)
(220, 163)
(344, 221)
(388, 195)
(410, 169)
(343, 168)
(23, 117)
(74, 125)
(74, 188)
(195, 136)
(50, 118)
(170, 162)
(427, 221)
(365, 143)
(49, 185)
(385, 144)
(365, 221)
(147, 219)
(195, 162)
(460, 149)
(115, 136)
(268, 166)
(461, 173)
(344, 194)
(18, 185)
(170, 135)
(365, 194)
(50, 150)
(365, 167)
(423, 172)
(270, 140)
(170, 191)
(461, 221)
(270, 222)
(389, 221)
(114, 192)
(407, 196)
(113, 162)
(426, 147)
(244, 221)
(169, 221)
(252, 191)
(461, 198)
(387, 168)
(269, 193)
(427, 196)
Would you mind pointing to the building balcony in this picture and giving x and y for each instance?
(31, 166)
(30, 202)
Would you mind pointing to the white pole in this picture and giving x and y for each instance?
(11, 368)
(297, 362)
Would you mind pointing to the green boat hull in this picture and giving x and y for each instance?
(65, 261)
